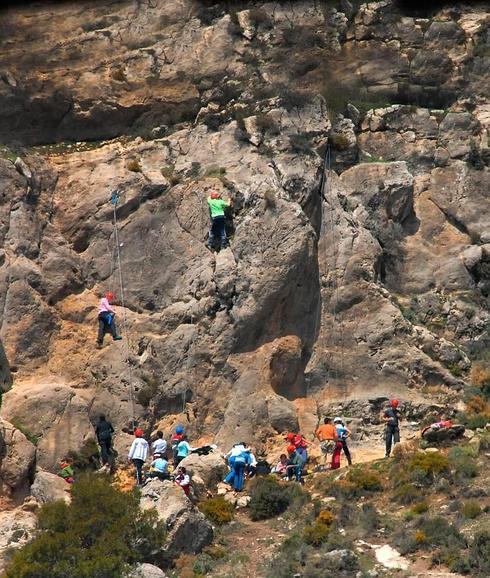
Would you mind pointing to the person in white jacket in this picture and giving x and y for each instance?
(138, 454)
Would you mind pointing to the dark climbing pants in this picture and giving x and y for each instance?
(392, 436)
(138, 464)
(105, 450)
(218, 231)
(107, 324)
(160, 475)
(346, 451)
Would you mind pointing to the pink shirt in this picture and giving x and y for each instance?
(105, 306)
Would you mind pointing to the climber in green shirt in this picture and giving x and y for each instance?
(217, 207)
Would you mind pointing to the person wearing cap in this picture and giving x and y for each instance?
(138, 454)
(107, 323)
(176, 438)
(342, 434)
(391, 417)
(217, 207)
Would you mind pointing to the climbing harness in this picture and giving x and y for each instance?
(116, 263)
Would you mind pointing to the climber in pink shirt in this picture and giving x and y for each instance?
(106, 319)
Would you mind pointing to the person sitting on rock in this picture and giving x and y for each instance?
(104, 431)
(183, 480)
(107, 323)
(138, 454)
(217, 207)
(391, 417)
(295, 464)
(183, 450)
(327, 436)
(159, 446)
(282, 465)
(159, 468)
(66, 471)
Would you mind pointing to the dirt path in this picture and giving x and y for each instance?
(252, 545)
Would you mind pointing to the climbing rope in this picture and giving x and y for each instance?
(336, 327)
(116, 263)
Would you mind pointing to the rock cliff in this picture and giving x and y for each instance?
(353, 140)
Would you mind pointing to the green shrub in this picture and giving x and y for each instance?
(462, 462)
(341, 489)
(134, 166)
(170, 174)
(269, 498)
(87, 458)
(420, 508)
(479, 554)
(339, 142)
(406, 493)
(425, 467)
(218, 510)
(100, 533)
(317, 533)
(439, 532)
(34, 439)
(365, 479)
(453, 559)
(470, 509)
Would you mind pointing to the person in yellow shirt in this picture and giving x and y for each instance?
(217, 207)
(327, 436)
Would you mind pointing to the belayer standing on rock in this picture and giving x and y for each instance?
(391, 417)
(217, 207)
(138, 454)
(104, 431)
(107, 323)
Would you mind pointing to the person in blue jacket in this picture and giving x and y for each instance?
(240, 463)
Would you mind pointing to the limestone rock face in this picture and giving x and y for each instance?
(48, 487)
(55, 414)
(210, 468)
(17, 459)
(146, 571)
(188, 529)
(365, 280)
(17, 527)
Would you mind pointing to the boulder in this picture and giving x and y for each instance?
(282, 414)
(17, 527)
(49, 487)
(17, 458)
(440, 435)
(188, 530)
(211, 468)
(56, 414)
(146, 571)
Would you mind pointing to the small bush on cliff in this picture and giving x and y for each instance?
(218, 510)
(100, 533)
(270, 498)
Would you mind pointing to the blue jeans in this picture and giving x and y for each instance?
(239, 474)
(218, 231)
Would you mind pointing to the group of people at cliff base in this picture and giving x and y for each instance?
(159, 451)
(333, 436)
